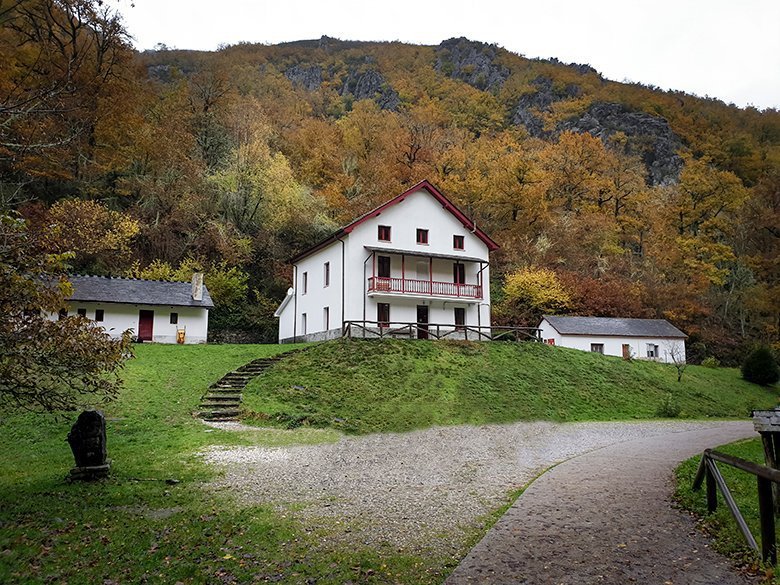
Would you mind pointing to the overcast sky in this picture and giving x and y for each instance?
(729, 49)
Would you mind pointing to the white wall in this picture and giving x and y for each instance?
(118, 317)
(614, 345)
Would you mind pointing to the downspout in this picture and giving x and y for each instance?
(365, 286)
(481, 280)
(343, 290)
(295, 301)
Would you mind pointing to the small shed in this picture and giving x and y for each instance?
(155, 310)
(651, 339)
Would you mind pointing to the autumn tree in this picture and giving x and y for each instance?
(48, 364)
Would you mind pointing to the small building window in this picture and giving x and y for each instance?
(82, 312)
(597, 347)
(303, 323)
(174, 318)
(458, 242)
(652, 351)
(99, 314)
(326, 274)
(383, 266)
(326, 318)
(460, 318)
(384, 233)
(62, 314)
(383, 314)
(305, 283)
(422, 236)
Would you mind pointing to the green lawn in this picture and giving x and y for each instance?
(134, 527)
(721, 524)
(367, 386)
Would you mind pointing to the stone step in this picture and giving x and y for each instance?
(213, 413)
(221, 396)
(209, 405)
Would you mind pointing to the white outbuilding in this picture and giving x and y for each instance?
(651, 339)
(154, 310)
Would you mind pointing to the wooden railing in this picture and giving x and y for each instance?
(765, 477)
(424, 287)
(407, 330)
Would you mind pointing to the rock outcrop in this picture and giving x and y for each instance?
(540, 101)
(309, 77)
(472, 62)
(371, 84)
(649, 137)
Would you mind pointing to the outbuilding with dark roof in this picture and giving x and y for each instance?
(154, 310)
(654, 339)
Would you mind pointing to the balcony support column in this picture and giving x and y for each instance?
(403, 273)
(430, 275)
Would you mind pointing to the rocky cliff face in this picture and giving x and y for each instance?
(471, 62)
(525, 113)
(649, 137)
(309, 77)
(371, 84)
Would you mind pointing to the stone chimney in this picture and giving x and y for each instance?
(197, 286)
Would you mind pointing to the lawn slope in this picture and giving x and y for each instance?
(363, 386)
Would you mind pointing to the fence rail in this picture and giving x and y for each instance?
(410, 330)
(424, 287)
(709, 473)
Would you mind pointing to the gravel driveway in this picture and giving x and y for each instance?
(422, 492)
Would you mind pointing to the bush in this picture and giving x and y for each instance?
(669, 408)
(760, 367)
(711, 362)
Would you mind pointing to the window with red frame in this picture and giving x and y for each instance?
(383, 314)
(457, 242)
(384, 233)
(422, 236)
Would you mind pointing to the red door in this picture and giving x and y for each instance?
(145, 323)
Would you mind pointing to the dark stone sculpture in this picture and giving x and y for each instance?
(87, 439)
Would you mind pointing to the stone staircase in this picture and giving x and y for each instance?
(222, 401)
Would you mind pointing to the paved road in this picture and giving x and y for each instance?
(605, 517)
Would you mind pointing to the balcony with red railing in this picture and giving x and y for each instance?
(417, 288)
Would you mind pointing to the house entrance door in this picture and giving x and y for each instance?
(422, 322)
(145, 325)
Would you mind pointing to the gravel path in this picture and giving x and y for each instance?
(424, 492)
(606, 517)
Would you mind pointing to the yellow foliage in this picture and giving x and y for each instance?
(538, 289)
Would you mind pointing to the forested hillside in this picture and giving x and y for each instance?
(607, 198)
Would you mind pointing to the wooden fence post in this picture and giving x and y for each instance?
(767, 513)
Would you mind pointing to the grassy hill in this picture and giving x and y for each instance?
(369, 386)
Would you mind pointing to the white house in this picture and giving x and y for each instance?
(653, 339)
(415, 264)
(154, 310)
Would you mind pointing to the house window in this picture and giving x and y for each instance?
(326, 318)
(422, 236)
(383, 314)
(459, 273)
(305, 283)
(303, 323)
(652, 351)
(82, 312)
(460, 318)
(383, 266)
(326, 273)
(457, 242)
(597, 347)
(99, 314)
(384, 233)
(62, 314)
(174, 318)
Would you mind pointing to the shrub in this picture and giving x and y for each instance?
(711, 362)
(669, 408)
(760, 367)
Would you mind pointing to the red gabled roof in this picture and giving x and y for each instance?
(446, 204)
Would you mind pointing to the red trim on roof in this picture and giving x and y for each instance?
(434, 192)
(446, 203)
